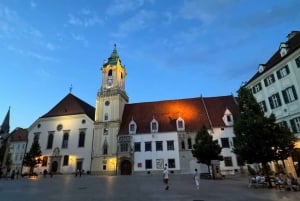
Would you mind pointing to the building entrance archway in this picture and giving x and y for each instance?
(54, 166)
(125, 167)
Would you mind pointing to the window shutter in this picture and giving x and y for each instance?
(271, 103)
(295, 93)
(279, 100)
(292, 121)
(266, 83)
(285, 98)
(278, 74)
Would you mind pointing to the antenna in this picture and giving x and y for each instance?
(70, 89)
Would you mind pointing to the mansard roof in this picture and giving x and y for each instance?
(292, 44)
(195, 112)
(18, 135)
(71, 105)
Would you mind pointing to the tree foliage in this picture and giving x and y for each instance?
(258, 139)
(205, 148)
(31, 158)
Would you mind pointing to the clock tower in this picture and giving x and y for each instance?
(110, 103)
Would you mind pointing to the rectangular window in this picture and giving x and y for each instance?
(159, 145)
(124, 147)
(137, 146)
(170, 145)
(45, 161)
(65, 141)
(295, 123)
(50, 140)
(81, 139)
(132, 127)
(275, 101)
(148, 164)
(269, 80)
(283, 72)
(297, 60)
(263, 106)
(153, 126)
(148, 146)
(171, 163)
(36, 137)
(256, 88)
(66, 160)
(180, 124)
(228, 161)
(225, 142)
(289, 94)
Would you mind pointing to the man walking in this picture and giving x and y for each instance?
(166, 177)
(197, 178)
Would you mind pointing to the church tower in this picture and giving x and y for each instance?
(110, 103)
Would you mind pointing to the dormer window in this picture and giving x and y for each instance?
(132, 127)
(283, 49)
(228, 118)
(261, 68)
(154, 126)
(180, 124)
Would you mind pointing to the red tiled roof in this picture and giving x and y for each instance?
(71, 105)
(19, 135)
(191, 110)
(292, 44)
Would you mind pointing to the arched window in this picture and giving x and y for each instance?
(180, 124)
(105, 148)
(65, 141)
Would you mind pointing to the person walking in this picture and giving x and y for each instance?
(166, 177)
(197, 178)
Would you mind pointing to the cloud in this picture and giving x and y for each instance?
(31, 54)
(135, 23)
(118, 7)
(85, 18)
(80, 38)
(32, 4)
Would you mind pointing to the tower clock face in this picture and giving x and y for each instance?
(107, 103)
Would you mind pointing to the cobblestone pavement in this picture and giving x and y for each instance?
(136, 188)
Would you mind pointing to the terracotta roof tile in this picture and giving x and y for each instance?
(71, 105)
(191, 110)
(19, 135)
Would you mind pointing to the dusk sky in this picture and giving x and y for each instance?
(171, 49)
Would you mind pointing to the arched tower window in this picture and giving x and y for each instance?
(189, 143)
(105, 147)
(182, 144)
(109, 78)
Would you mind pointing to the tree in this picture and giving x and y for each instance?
(31, 158)
(258, 139)
(206, 149)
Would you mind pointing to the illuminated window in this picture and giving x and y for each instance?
(44, 161)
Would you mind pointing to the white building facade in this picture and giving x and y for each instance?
(276, 87)
(65, 136)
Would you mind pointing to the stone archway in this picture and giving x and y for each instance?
(125, 167)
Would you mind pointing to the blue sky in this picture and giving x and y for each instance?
(171, 49)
